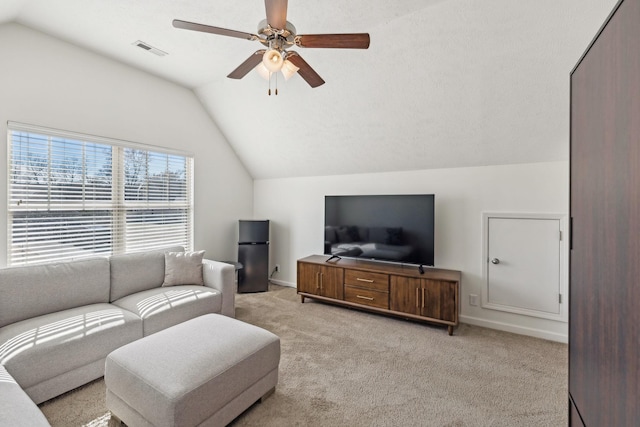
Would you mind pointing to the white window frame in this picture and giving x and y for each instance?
(163, 219)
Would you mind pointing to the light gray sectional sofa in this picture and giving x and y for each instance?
(16, 409)
(58, 322)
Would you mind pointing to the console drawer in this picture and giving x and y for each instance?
(365, 279)
(366, 297)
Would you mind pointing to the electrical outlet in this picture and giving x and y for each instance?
(473, 299)
(277, 268)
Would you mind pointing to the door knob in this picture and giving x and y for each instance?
(495, 261)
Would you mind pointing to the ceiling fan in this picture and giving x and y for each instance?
(277, 35)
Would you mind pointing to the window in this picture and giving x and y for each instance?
(72, 196)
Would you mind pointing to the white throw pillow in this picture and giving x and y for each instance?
(183, 268)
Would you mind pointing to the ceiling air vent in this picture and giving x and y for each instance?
(148, 47)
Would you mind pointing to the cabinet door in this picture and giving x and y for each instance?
(309, 278)
(331, 282)
(321, 280)
(405, 294)
(439, 300)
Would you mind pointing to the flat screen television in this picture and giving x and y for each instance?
(392, 228)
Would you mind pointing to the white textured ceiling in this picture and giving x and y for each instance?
(445, 83)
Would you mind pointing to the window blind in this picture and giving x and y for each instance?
(74, 196)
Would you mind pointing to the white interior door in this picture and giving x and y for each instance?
(523, 270)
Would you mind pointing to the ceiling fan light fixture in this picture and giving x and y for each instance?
(288, 69)
(272, 60)
(262, 70)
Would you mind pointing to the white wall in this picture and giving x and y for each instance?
(47, 82)
(296, 209)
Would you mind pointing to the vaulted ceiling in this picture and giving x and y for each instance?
(445, 83)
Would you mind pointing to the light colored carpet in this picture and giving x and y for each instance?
(342, 367)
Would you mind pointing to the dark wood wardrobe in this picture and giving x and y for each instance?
(604, 313)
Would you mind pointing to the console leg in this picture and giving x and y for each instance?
(302, 299)
(450, 330)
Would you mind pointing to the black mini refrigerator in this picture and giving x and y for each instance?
(253, 254)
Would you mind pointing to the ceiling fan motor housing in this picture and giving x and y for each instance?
(276, 38)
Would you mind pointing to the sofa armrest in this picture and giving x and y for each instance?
(221, 276)
(16, 408)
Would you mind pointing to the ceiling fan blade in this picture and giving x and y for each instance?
(305, 70)
(276, 13)
(248, 65)
(338, 41)
(213, 30)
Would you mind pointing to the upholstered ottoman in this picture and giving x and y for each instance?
(203, 372)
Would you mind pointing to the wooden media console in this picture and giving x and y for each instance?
(391, 289)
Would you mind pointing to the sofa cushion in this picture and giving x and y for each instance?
(131, 273)
(44, 347)
(160, 308)
(183, 268)
(37, 290)
(16, 409)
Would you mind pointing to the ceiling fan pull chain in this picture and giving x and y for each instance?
(276, 83)
(270, 83)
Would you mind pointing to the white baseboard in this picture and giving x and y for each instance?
(282, 283)
(516, 329)
(500, 326)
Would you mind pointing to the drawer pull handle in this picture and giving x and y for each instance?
(364, 280)
(367, 298)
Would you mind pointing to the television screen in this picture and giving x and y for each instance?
(396, 228)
